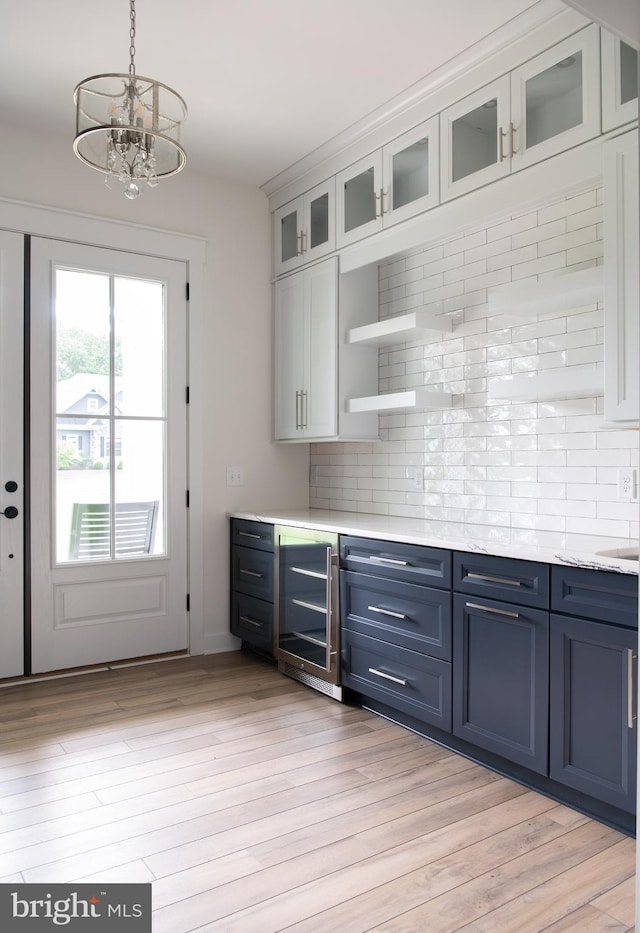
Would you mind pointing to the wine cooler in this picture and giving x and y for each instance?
(307, 629)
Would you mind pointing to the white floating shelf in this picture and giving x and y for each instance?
(569, 291)
(396, 401)
(568, 382)
(410, 326)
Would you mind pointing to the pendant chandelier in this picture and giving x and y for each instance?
(129, 127)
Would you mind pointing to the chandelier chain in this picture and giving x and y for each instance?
(132, 38)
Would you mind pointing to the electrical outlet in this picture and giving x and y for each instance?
(417, 478)
(628, 484)
(235, 476)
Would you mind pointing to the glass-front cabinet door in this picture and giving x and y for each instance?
(359, 199)
(619, 82)
(474, 139)
(304, 229)
(410, 173)
(555, 99)
(307, 632)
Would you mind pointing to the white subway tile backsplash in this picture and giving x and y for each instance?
(524, 466)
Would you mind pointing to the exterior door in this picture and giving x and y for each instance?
(108, 444)
(11, 455)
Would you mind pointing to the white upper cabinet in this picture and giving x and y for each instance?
(390, 185)
(619, 82)
(621, 286)
(304, 229)
(549, 104)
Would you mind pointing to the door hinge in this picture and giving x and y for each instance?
(186, 288)
(187, 498)
(188, 601)
(187, 394)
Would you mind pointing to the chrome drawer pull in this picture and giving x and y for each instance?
(387, 612)
(481, 576)
(308, 573)
(250, 573)
(630, 660)
(251, 621)
(303, 605)
(389, 560)
(396, 680)
(247, 534)
(500, 612)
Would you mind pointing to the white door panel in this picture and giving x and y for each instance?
(108, 455)
(11, 454)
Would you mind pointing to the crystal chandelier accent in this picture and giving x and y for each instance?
(129, 127)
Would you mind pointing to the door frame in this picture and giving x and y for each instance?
(24, 218)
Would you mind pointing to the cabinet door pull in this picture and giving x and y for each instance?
(297, 409)
(387, 612)
(512, 150)
(305, 407)
(482, 576)
(303, 239)
(388, 560)
(630, 659)
(500, 612)
(378, 197)
(251, 573)
(501, 135)
(251, 621)
(383, 195)
(247, 534)
(395, 680)
(300, 241)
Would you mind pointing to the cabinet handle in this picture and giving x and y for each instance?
(251, 621)
(298, 409)
(501, 135)
(383, 195)
(395, 680)
(482, 576)
(388, 560)
(387, 612)
(250, 573)
(247, 534)
(299, 238)
(500, 612)
(304, 408)
(512, 151)
(303, 239)
(378, 197)
(630, 659)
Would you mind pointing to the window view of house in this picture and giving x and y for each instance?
(110, 419)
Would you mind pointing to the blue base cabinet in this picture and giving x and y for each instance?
(252, 583)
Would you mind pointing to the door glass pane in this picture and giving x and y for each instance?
(319, 210)
(474, 140)
(303, 611)
(139, 334)
(554, 100)
(359, 200)
(411, 173)
(628, 73)
(139, 487)
(110, 416)
(289, 236)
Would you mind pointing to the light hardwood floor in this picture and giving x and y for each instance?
(256, 804)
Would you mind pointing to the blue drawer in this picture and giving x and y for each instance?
(252, 534)
(409, 562)
(415, 617)
(252, 572)
(404, 680)
(595, 594)
(252, 620)
(516, 581)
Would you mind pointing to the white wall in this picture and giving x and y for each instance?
(522, 468)
(237, 330)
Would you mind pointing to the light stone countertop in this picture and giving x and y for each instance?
(544, 546)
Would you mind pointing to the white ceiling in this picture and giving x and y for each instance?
(266, 81)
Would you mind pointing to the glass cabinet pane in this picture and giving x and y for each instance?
(304, 611)
(289, 236)
(628, 73)
(474, 140)
(319, 221)
(359, 200)
(554, 100)
(410, 173)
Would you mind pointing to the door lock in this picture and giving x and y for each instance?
(11, 486)
(10, 512)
